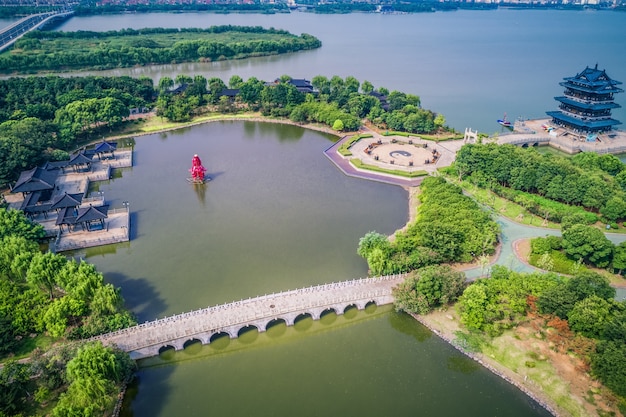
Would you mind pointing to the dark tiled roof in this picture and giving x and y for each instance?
(66, 216)
(229, 92)
(105, 147)
(80, 159)
(91, 213)
(36, 179)
(67, 200)
(592, 80)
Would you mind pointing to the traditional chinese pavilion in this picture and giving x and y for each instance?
(586, 106)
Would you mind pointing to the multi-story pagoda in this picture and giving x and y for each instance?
(586, 106)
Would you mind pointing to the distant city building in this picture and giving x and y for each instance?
(586, 106)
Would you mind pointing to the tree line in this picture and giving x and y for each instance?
(594, 182)
(336, 99)
(39, 50)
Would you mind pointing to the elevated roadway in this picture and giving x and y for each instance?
(13, 32)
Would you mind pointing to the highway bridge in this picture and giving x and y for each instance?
(13, 32)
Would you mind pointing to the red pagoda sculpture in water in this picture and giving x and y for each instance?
(197, 170)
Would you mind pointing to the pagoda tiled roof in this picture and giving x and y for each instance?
(68, 215)
(587, 105)
(592, 80)
(35, 179)
(586, 124)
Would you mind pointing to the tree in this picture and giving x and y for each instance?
(429, 287)
(590, 316)
(338, 125)
(473, 306)
(43, 270)
(235, 81)
(589, 244)
(92, 374)
(619, 257)
(367, 87)
(608, 363)
(15, 223)
(14, 378)
(165, 84)
(615, 208)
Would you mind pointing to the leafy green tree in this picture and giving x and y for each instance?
(608, 363)
(43, 270)
(473, 306)
(589, 244)
(428, 288)
(590, 316)
(338, 125)
(14, 378)
(61, 313)
(235, 81)
(615, 208)
(92, 375)
(165, 84)
(619, 258)
(15, 223)
(367, 87)
(371, 241)
(16, 253)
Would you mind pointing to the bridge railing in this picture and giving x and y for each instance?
(234, 304)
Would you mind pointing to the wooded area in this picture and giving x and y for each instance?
(43, 50)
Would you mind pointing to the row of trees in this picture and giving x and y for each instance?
(44, 292)
(450, 227)
(335, 99)
(595, 182)
(49, 50)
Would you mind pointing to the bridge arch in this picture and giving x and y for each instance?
(165, 349)
(239, 319)
(247, 328)
(192, 341)
(275, 322)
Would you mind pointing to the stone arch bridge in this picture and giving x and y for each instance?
(147, 339)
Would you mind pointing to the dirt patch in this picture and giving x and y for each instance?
(559, 381)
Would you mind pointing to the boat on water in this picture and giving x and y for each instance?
(197, 171)
(504, 122)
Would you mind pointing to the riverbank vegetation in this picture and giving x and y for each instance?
(47, 299)
(450, 227)
(41, 50)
